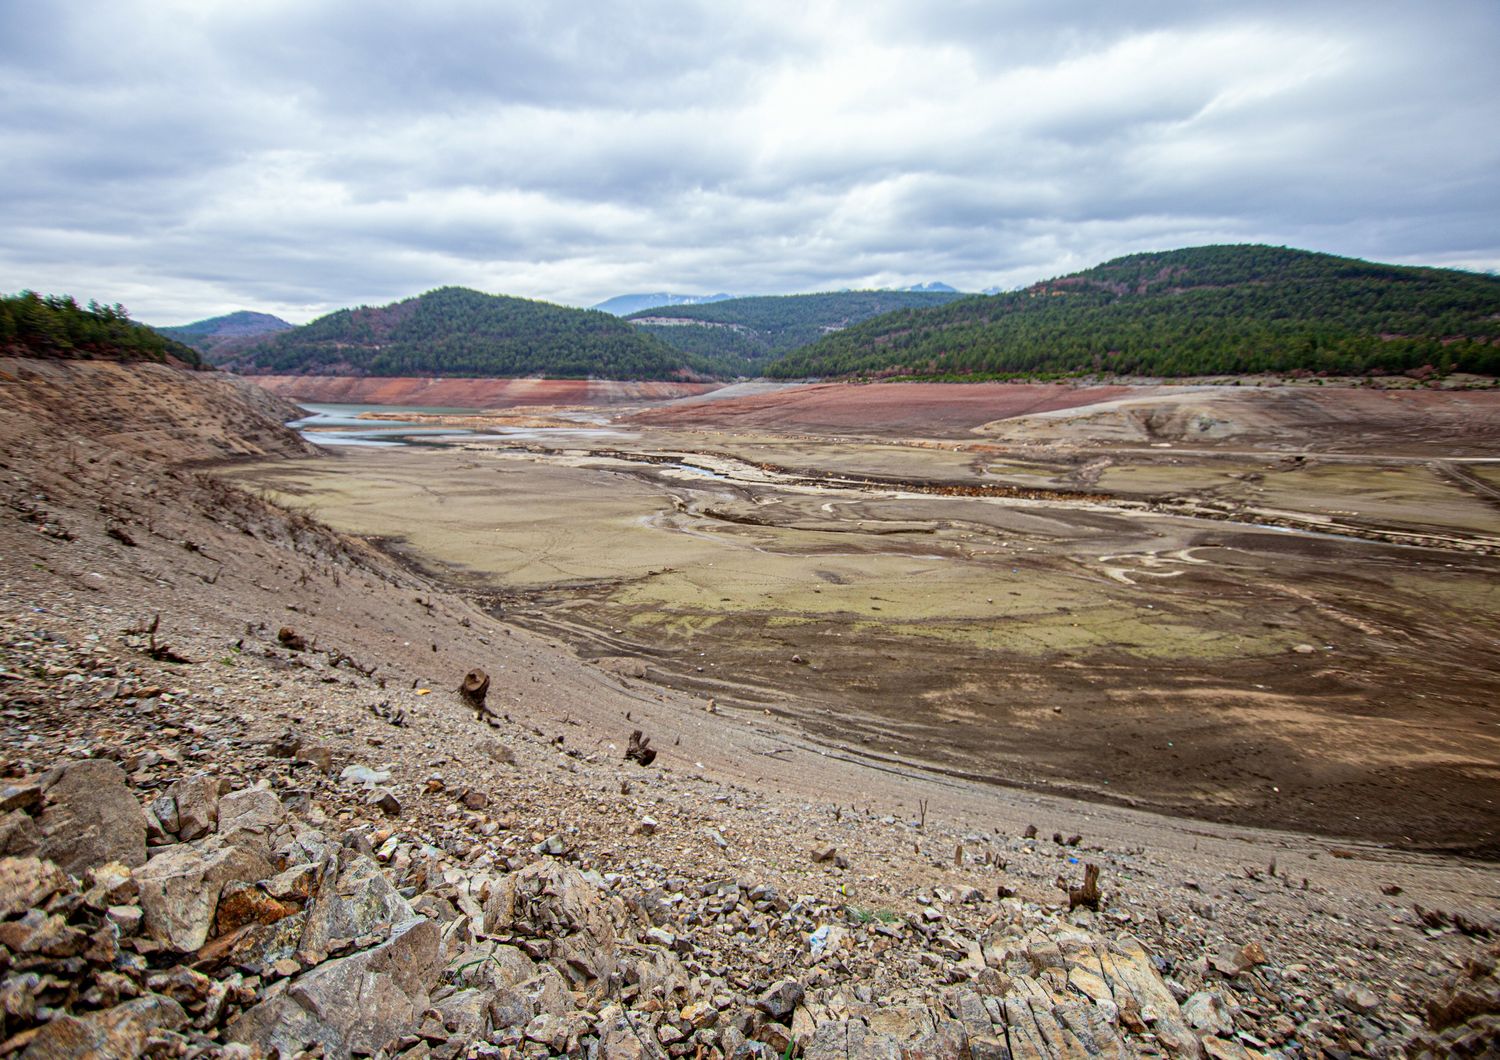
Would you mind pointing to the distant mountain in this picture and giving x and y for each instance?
(1197, 311)
(737, 335)
(454, 331)
(625, 304)
(218, 337)
(57, 327)
(935, 286)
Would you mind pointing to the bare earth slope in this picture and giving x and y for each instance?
(471, 393)
(933, 928)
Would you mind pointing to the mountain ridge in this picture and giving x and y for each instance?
(457, 331)
(1241, 308)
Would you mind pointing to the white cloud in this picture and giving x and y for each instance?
(191, 158)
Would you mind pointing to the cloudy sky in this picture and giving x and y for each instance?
(190, 157)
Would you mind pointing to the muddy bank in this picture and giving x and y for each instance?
(472, 393)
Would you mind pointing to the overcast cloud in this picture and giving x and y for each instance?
(191, 157)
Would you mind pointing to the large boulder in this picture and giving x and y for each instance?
(180, 888)
(354, 1005)
(90, 817)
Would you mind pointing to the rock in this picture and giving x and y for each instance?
(358, 774)
(107, 885)
(197, 802)
(645, 826)
(90, 817)
(317, 755)
(127, 919)
(781, 999)
(26, 883)
(180, 888)
(163, 810)
(475, 800)
(353, 1005)
(354, 899)
(1233, 963)
(498, 752)
(823, 852)
(386, 800)
(120, 1031)
(557, 902)
(25, 796)
(1206, 1013)
(19, 834)
(246, 903)
(1357, 998)
(250, 816)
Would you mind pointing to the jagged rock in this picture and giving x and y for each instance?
(252, 814)
(841, 1039)
(317, 755)
(196, 799)
(107, 885)
(556, 902)
(120, 1031)
(354, 899)
(464, 1015)
(1357, 998)
(90, 817)
(780, 999)
(26, 883)
(25, 796)
(19, 834)
(353, 1005)
(127, 919)
(180, 888)
(1206, 1013)
(385, 799)
(246, 903)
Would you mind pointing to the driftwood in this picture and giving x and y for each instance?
(161, 652)
(1087, 895)
(475, 686)
(640, 749)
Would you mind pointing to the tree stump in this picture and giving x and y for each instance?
(640, 749)
(1087, 895)
(476, 685)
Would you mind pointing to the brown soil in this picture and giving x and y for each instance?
(922, 410)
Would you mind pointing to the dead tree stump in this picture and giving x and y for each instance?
(640, 749)
(1087, 895)
(476, 685)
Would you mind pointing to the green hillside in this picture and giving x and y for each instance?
(1198, 311)
(737, 333)
(56, 326)
(218, 337)
(459, 332)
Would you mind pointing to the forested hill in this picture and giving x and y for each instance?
(459, 332)
(56, 326)
(1198, 311)
(217, 337)
(739, 334)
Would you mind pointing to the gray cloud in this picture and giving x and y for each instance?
(187, 158)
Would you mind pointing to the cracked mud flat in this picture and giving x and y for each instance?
(1260, 637)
